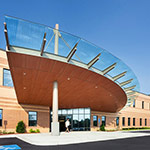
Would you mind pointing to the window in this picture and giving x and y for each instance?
(87, 121)
(145, 122)
(81, 122)
(142, 104)
(117, 121)
(75, 122)
(75, 111)
(81, 110)
(104, 120)
(94, 120)
(133, 121)
(32, 118)
(87, 111)
(7, 80)
(140, 121)
(128, 121)
(123, 121)
(134, 103)
(69, 111)
(64, 111)
(1, 114)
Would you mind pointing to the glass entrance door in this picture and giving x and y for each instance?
(61, 123)
(63, 119)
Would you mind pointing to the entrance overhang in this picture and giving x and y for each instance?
(79, 87)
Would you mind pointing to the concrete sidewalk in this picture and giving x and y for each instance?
(75, 137)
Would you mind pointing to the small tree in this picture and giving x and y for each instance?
(102, 127)
(20, 128)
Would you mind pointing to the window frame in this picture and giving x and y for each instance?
(145, 121)
(117, 121)
(95, 120)
(134, 104)
(142, 104)
(129, 121)
(123, 121)
(133, 121)
(103, 121)
(36, 119)
(140, 121)
(11, 78)
(2, 117)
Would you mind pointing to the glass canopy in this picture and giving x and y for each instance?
(30, 35)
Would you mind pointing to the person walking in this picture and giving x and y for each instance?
(67, 124)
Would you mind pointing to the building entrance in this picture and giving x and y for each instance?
(79, 119)
(62, 120)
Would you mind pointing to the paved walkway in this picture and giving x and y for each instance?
(75, 137)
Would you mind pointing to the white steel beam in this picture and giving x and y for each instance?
(129, 88)
(109, 68)
(93, 61)
(72, 52)
(125, 82)
(119, 76)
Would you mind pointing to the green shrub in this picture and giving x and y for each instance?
(134, 128)
(102, 127)
(4, 132)
(32, 131)
(37, 131)
(20, 128)
(10, 132)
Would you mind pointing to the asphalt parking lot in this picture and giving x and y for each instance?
(138, 143)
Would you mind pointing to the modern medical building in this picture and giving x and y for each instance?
(47, 76)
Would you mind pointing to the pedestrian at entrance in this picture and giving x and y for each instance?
(67, 124)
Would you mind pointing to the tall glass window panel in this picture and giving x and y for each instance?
(81, 110)
(117, 121)
(87, 110)
(133, 121)
(104, 120)
(7, 79)
(128, 121)
(95, 121)
(75, 122)
(59, 112)
(64, 111)
(75, 111)
(32, 118)
(140, 121)
(123, 121)
(87, 122)
(69, 111)
(81, 122)
(1, 117)
(145, 122)
(134, 103)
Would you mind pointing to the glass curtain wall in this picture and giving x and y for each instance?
(79, 118)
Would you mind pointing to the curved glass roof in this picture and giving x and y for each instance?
(29, 35)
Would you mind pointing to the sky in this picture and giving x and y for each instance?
(122, 27)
